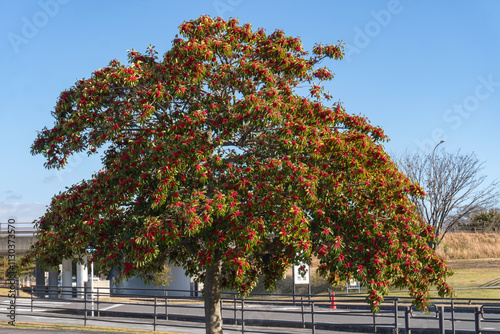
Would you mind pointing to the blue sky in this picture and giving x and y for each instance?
(422, 70)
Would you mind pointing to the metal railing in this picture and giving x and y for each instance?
(22, 229)
(265, 311)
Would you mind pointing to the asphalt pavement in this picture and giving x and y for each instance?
(175, 327)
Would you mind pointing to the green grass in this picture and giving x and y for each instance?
(470, 274)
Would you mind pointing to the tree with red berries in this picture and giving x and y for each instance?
(214, 161)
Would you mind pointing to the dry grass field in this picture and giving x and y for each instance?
(475, 259)
(470, 246)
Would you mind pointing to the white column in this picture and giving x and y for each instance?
(82, 274)
(40, 280)
(67, 274)
(53, 292)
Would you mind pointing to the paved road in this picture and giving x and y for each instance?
(173, 327)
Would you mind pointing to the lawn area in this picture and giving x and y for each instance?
(476, 273)
(471, 274)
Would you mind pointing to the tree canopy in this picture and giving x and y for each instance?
(215, 161)
(485, 221)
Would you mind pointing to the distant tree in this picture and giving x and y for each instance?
(215, 162)
(486, 221)
(454, 186)
(163, 277)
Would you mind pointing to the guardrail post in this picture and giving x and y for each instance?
(477, 320)
(407, 320)
(441, 320)
(313, 326)
(396, 324)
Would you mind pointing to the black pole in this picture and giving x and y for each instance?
(313, 326)
(166, 305)
(477, 320)
(441, 320)
(97, 303)
(302, 312)
(407, 319)
(396, 324)
(154, 316)
(31, 297)
(453, 316)
(242, 316)
(309, 288)
(85, 306)
(234, 309)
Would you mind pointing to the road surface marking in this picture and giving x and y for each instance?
(109, 307)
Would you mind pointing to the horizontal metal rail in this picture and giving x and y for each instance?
(267, 311)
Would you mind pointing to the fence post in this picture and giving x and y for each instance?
(302, 312)
(477, 320)
(441, 320)
(32, 299)
(92, 298)
(166, 305)
(97, 303)
(234, 309)
(85, 306)
(154, 316)
(453, 316)
(407, 320)
(396, 324)
(221, 307)
(313, 326)
(242, 316)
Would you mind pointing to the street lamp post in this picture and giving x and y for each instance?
(433, 175)
(434, 151)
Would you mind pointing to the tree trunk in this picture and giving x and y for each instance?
(212, 296)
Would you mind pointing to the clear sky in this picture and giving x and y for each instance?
(422, 70)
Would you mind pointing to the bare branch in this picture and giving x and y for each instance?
(455, 189)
